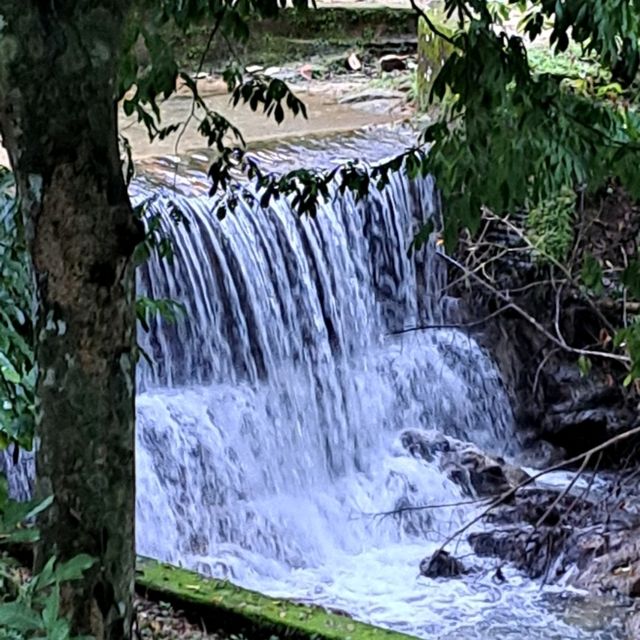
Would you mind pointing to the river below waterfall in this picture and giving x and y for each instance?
(269, 427)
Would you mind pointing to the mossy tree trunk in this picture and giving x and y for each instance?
(58, 120)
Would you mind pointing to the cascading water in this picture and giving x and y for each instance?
(269, 427)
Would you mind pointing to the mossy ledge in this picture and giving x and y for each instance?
(219, 605)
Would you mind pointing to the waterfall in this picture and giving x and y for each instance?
(272, 427)
(269, 426)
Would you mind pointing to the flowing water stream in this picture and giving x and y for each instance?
(269, 428)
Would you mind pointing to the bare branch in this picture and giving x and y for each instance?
(559, 342)
(458, 325)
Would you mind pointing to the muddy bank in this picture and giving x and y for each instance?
(537, 322)
(298, 35)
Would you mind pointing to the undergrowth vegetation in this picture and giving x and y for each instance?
(31, 605)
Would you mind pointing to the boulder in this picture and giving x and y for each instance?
(535, 506)
(441, 565)
(611, 564)
(534, 551)
(479, 474)
(632, 626)
(393, 62)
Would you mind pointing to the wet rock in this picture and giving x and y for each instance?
(370, 95)
(533, 551)
(425, 444)
(611, 564)
(441, 565)
(593, 544)
(478, 474)
(393, 62)
(632, 626)
(538, 506)
(588, 413)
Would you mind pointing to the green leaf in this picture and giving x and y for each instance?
(45, 578)
(15, 513)
(584, 366)
(15, 615)
(74, 569)
(591, 273)
(59, 630)
(51, 610)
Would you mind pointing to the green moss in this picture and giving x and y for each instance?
(223, 606)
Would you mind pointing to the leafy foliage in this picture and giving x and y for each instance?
(551, 225)
(30, 608)
(521, 126)
(512, 134)
(591, 273)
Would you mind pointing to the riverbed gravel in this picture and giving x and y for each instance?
(160, 621)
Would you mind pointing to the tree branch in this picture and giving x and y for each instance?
(556, 467)
(460, 325)
(432, 27)
(531, 320)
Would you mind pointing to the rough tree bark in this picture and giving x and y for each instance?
(58, 120)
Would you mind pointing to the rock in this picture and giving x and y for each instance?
(533, 551)
(632, 625)
(611, 564)
(424, 444)
(533, 505)
(254, 68)
(353, 63)
(551, 397)
(441, 565)
(371, 94)
(157, 620)
(393, 62)
(594, 544)
(479, 474)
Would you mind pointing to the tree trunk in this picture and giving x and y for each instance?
(58, 120)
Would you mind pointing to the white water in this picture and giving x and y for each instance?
(268, 432)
